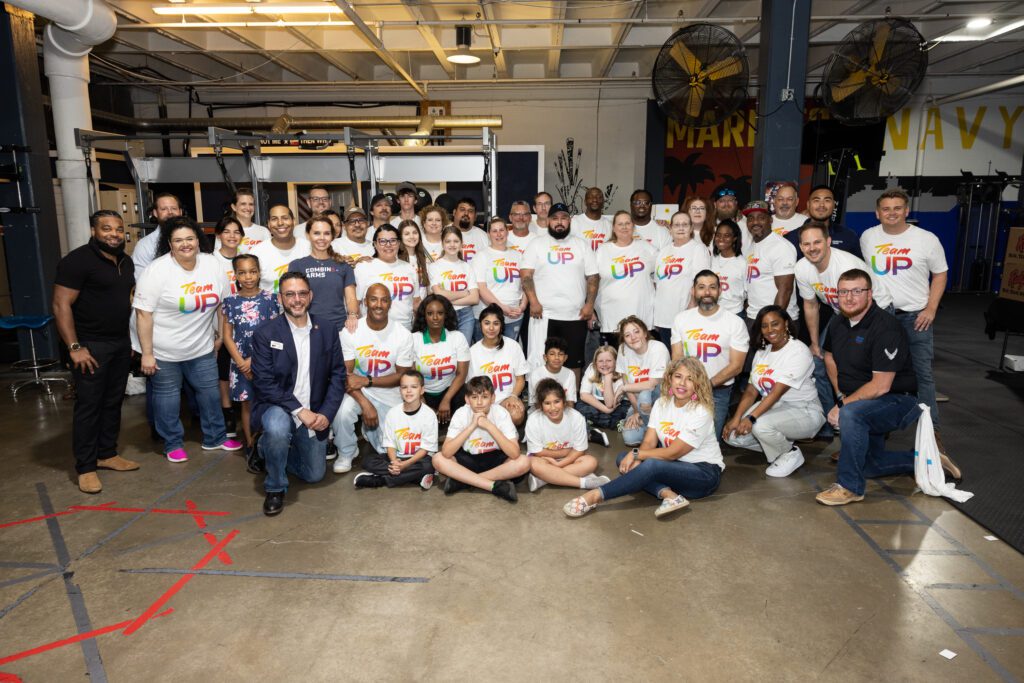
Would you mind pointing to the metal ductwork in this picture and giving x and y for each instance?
(422, 125)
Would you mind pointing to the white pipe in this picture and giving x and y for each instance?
(76, 26)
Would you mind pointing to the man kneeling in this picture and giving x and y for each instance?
(482, 447)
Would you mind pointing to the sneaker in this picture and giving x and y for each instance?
(427, 481)
(367, 480)
(535, 482)
(228, 445)
(178, 455)
(453, 485)
(671, 505)
(506, 490)
(597, 436)
(332, 450)
(786, 464)
(837, 495)
(230, 425)
(342, 464)
(577, 507)
(592, 481)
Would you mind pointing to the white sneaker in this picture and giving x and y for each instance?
(342, 464)
(535, 483)
(598, 436)
(671, 505)
(593, 481)
(786, 464)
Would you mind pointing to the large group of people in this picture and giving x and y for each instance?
(445, 345)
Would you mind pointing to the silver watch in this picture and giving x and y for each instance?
(75, 347)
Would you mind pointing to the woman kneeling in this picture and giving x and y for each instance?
(679, 457)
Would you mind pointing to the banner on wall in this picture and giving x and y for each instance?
(981, 136)
(1013, 267)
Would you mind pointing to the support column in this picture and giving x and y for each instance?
(31, 239)
(781, 75)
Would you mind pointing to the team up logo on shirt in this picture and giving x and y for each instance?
(468, 252)
(723, 282)
(559, 255)
(764, 381)
(197, 297)
(374, 362)
(888, 259)
(231, 282)
(454, 282)
(409, 440)
(638, 373)
(438, 367)
(703, 342)
(482, 445)
(626, 266)
(668, 433)
(501, 375)
(505, 270)
(753, 272)
(401, 286)
(556, 445)
(249, 242)
(829, 293)
(671, 266)
(596, 238)
(278, 272)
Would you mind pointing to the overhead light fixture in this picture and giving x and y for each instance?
(980, 22)
(463, 41)
(249, 8)
(278, 23)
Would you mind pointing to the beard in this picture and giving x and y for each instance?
(707, 303)
(723, 215)
(856, 312)
(558, 233)
(465, 223)
(106, 248)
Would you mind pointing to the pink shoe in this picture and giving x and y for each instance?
(178, 455)
(228, 445)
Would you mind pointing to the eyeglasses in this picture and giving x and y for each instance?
(356, 221)
(320, 199)
(521, 214)
(387, 242)
(641, 202)
(303, 294)
(547, 204)
(853, 292)
(697, 209)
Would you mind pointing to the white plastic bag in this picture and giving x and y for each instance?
(135, 386)
(538, 334)
(928, 466)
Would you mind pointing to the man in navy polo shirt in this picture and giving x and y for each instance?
(867, 356)
(821, 206)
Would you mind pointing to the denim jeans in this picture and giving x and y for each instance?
(664, 335)
(689, 479)
(922, 352)
(344, 425)
(201, 373)
(863, 426)
(825, 395)
(721, 395)
(595, 418)
(290, 450)
(467, 323)
(647, 397)
(775, 431)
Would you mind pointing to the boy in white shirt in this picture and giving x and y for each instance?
(556, 351)
(410, 441)
(482, 447)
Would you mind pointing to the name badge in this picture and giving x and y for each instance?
(277, 345)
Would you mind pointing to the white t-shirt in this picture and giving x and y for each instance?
(640, 368)
(674, 271)
(438, 362)
(396, 220)
(565, 377)
(520, 243)
(145, 251)
(784, 226)
(501, 365)
(229, 269)
(560, 274)
(454, 276)
(352, 251)
(474, 241)
(255, 234)
(409, 433)
(693, 424)
(812, 284)
(656, 235)
(904, 263)
(378, 353)
(536, 227)
(184, 304)
(499, 270)
(596, 389)
(401, 280)
(732, 279)
(593, 232)
(543, 434)
(435, 250)
(299, 231)
(626, 287)
(792, 365)
(480, 440)
(710, 337)
(773, 256)
(274, 262)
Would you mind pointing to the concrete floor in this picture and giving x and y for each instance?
(756, 582)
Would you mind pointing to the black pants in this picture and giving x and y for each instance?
(377, 463)
(97, 417)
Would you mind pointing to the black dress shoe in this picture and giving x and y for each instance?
(274, 503)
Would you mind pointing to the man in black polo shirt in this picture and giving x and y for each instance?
(821, 206)
(867, 357)
(92, 304)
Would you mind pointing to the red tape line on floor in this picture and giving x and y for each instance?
(210, 538)
(37, 519)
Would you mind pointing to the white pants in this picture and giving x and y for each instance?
(775, 431)
(344, 425)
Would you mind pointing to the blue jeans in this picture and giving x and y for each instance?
(466, 322)
(290, 450)
(595, 418)
(689, 479)
(721, 396)
(664, 335)
(863, 426)
(922, 351)
(201, 373)
(647, 397)
(825, 396)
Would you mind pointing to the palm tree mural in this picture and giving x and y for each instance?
(683, 177)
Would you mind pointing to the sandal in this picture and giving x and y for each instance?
(577, 507)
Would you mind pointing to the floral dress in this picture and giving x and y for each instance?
(246, 313)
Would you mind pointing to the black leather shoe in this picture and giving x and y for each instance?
(274, 503)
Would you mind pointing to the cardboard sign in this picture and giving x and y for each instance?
(1013, 267)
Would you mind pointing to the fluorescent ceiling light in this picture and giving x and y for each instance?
(249, 8)
(980, 22)
(976, 38)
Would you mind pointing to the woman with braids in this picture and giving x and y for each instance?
(331, 279)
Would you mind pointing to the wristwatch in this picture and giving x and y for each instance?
(840, 399)
(369, 380)
(75, 346)
(635, 453)
(753, 420)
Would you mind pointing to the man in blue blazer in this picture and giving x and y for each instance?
(299, 382)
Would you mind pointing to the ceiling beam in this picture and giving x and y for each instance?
(158, 57)
(429, 36)
(487, 12)
(269, 56)
(382, 52)
(618, 35)
(557, 31)
(324, 53)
